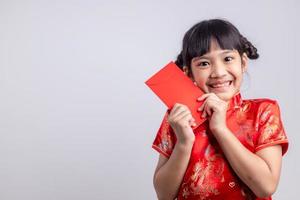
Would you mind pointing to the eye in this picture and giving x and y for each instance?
(228, 58)
(203, 64)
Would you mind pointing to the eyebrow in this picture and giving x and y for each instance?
(207, 57)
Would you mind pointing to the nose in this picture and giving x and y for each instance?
(218, 70)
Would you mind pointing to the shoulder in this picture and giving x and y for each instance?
(261, 103)
(263, 108)
(260, 106)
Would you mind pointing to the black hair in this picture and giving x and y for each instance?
(197, 40)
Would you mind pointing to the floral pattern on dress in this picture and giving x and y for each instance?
(256, 123)
(165, 141)
(206, 175)
(270, 130)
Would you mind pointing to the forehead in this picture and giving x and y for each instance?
(215, 50)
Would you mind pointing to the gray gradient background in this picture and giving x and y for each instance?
(77, 121)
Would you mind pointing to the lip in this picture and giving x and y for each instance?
(218, 82)
(222, 88)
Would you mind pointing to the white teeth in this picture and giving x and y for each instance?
(221, 84)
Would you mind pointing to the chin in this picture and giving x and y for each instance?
(225, 96)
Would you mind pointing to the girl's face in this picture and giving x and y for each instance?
(219, 71)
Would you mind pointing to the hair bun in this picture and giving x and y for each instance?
(249, 49)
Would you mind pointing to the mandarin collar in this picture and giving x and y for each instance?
(235, 102)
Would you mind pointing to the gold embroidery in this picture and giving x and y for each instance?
(166, 143)
(241, 115)
(245, 132)
(270, 128)
(264, 116)
(207, 174)
(246, 107)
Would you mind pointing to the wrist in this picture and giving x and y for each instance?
(219, 130)
(185, 136)
(185, 145)
(186, 142)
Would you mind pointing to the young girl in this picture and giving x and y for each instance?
(236, 153)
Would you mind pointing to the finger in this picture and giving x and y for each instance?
(206, 109)
(209, 111)
(201, 107)
(189, 118)
(182, 112)
(203, 114)
(211, 106)
(175, 108)
(214, 95)
(192, 122)
(185, 114)
(203, 97)
(192, 119)
(202, 111)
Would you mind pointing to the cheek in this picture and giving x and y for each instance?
(236, 71)
(201, 80)
(239, 76)
(238, 80)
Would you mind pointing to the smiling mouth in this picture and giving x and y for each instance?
(220, 85)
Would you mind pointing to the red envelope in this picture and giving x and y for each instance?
(172, 86)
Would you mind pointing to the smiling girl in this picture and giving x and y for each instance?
(237, 152)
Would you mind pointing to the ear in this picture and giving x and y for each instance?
(188, 73)
(245, 60)
(185, 70)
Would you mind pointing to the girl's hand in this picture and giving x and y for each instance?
(215, 109)
(181, 120)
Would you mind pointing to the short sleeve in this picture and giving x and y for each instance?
(165, 139)
(271, 131)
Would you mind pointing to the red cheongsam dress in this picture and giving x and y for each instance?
(209, 176)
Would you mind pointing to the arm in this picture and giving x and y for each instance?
(260, 171)
(170, 172)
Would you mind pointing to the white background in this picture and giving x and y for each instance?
(76, 119)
